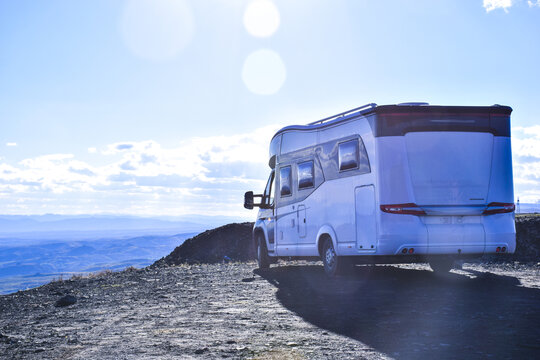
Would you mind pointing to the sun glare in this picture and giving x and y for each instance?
(157, 29)
(264, 72)
(261, 18)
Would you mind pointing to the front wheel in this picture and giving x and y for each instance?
(263, 259)
(333, 265)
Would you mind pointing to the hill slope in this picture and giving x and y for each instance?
(231, 242)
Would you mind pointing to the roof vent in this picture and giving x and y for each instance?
(413, 104)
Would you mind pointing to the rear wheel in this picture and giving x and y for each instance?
(442, 265)
(263, 259)
(333, 265)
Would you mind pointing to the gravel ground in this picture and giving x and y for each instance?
(291, 311)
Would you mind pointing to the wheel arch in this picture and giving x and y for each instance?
(326, 231)
(258, 230)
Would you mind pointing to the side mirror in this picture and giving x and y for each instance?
(248, 200)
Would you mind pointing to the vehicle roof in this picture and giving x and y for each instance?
(409, 108)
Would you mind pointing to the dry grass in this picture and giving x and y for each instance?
(93, 275)
(98, 274)
(60, 278)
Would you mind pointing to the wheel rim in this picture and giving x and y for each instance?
(330, 256)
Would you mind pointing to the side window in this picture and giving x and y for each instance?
(285, 181)
(348, 155)
(305, 175)
(353, 155)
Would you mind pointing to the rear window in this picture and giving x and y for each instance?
(400, 122)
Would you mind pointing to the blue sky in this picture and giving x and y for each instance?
(166, 107)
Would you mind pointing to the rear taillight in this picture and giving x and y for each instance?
(405, 209)
(499, 208)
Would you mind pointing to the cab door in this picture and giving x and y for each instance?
(286, 212)
(267, 213)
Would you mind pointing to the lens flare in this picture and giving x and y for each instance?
(264, 72)
(261, 18)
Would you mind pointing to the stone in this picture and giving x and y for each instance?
(66, 301)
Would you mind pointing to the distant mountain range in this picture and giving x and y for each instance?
(35, 249)
(91, 226)
(527, 208)
(26, 266)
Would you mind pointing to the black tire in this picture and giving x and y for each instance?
(333, 265)
(442, 265)
(263, 260)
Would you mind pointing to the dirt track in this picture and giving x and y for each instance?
(290, 311)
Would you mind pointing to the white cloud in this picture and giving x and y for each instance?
(533, 3)
(11, 144)
(490, 5)
(526, 161)
(203, 175)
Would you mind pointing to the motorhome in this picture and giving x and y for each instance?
(400, 183)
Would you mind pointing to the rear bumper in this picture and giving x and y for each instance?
(500, 231)
(446, 235)
(411, 259)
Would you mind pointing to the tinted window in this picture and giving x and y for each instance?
(285, 180)
(268, 199)
(399, 120)
(305, 175)
(348, 155)
(363, 161)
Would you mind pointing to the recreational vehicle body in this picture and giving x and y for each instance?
(389, 184)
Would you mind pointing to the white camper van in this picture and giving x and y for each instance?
(389, 184)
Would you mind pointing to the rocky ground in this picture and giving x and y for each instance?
(290, 311)
(179, 308)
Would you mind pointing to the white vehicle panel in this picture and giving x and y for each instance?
(394, 178)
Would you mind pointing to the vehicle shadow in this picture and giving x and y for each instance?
(408, 313)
